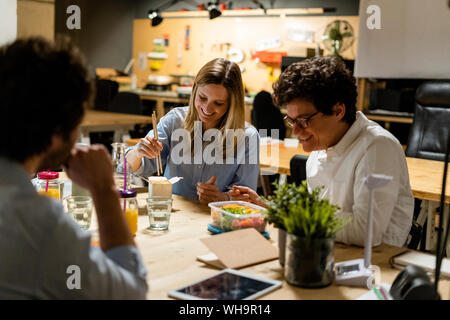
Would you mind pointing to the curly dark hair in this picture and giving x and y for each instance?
(323, 81)
(44, 89)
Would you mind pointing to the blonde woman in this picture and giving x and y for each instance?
(202, 142)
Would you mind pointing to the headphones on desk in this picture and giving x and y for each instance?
(413, 283)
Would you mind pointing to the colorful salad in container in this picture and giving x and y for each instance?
(234, 216)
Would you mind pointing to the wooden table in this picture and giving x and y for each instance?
(120, 123)
(170, 257)
(375, 117)
(276, 158)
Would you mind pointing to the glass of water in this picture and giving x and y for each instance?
(159, 209)
(80, 208)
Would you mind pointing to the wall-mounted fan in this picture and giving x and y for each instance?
(338, 36)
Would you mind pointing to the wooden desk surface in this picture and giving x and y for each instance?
(269, 162)
(94, 118)
(171, 262)
(425, 177)
(389, 118)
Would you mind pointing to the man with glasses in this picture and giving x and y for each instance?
(320, 97)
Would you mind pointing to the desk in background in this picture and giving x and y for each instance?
(112, 74)
(120, 123)
(160, 97)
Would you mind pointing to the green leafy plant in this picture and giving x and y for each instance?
(302, 213)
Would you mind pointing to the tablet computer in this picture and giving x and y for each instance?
(227, 284)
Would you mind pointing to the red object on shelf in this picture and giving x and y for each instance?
(269, 56)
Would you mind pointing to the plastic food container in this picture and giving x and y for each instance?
(228, 221)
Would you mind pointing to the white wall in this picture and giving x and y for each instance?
(8, 21)
(413, 42)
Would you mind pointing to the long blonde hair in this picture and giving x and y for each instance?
(226, 73)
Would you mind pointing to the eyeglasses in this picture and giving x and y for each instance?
(301, 122)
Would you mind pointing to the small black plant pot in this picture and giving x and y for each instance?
(281, 245)
(309, 262)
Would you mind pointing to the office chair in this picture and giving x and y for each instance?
(427, 140)
(106, 90)
(298, 169)
(429, 131)
(126, 102)
(129, 102)
(265, 115)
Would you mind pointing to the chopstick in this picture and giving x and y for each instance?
(140, 177)
(155, 134)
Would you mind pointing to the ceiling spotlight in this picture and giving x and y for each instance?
(155, 17)
(213, 10)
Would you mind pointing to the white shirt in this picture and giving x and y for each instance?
(364, 149)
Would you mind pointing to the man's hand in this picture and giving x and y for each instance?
(91, 168)
(209, 192)
(241, 193)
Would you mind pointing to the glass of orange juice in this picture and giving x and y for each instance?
(130, 207)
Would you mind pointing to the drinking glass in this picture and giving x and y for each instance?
(80, 208)
(159, 209)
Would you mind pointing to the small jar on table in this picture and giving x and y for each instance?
(49, 185)
(130, 208)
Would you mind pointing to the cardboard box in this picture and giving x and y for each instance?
(159, 187)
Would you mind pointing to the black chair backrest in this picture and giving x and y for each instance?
(298, 168)
(429, 132)
(106, 90)
(265, 115)
(126, 102)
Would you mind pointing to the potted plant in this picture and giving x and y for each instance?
(311, 224)
(278, 207)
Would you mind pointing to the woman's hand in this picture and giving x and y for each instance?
(241, 193)
(208, 192)
(149, 147)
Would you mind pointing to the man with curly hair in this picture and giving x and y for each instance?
(44, 89)
(320, 97)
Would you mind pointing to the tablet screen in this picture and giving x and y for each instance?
(227, 286)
